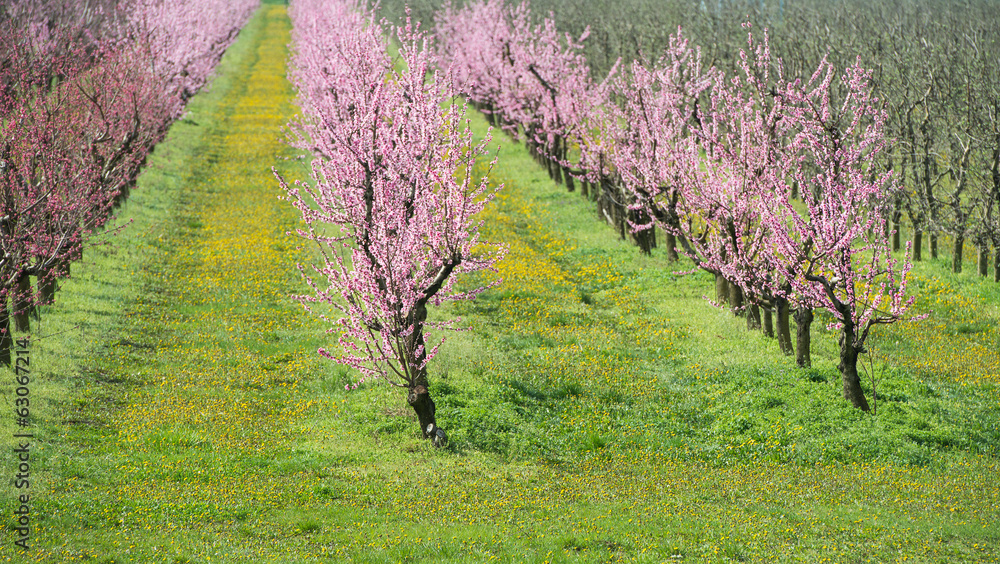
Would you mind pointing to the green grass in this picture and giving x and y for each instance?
(599, 408)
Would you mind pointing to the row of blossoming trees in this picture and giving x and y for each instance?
(392, 199)
(86, 90)
(935, 64)
(770, 183)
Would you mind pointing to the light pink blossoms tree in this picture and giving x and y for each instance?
(392, 201)
(703, 154)
(736, 213)
(838, 248)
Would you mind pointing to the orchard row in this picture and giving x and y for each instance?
(86, 91)
(771, 183)
(935, 67)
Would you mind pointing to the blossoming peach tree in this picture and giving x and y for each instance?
(721, 182)
(839, 249)
(392, 200)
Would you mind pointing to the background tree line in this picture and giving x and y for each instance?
(936, 69)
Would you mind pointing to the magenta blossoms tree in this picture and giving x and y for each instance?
(67, 151)
(392, 201)
(86, 90)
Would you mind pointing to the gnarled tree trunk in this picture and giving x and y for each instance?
(670, 241)
(849, 369)
(803, 322)
(48, 283)
(784, 329)
(6, 340)
(736, 299)
(753, 317)
(646, 238)
(22, 304)
(768, 322)
(721, 289)
(996, 263)
(419, 396)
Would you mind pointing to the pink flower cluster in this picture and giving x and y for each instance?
(187, 38)
(393, 197)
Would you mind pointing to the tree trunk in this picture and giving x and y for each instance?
(6, 340)
(768, 323)
(753, 317)
(22, 304)
(849, 370)
(556, 156)
(736, 299)
(671, 243)
(896, 235)
(996, 263)
(618, 213)
(47, 286)
(934, 245)
(956, 255)
(122, 195)
(645, 239)
(585, 189)
(419, 396)
(918, 238)
(984, 260)
(721, 289)
(803, 322)
(604, 207)
(784, 330)
(570, 183)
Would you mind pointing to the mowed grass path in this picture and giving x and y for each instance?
(599, 409)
